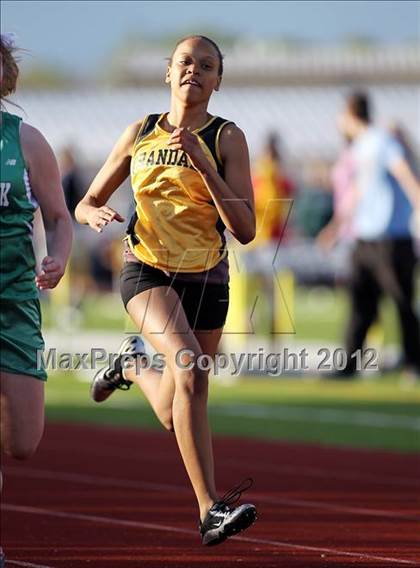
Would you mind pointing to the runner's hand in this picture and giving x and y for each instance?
(52, 270)
(100, 217)
(183, 139)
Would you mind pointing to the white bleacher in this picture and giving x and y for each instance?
(92, 120)
(252, 59)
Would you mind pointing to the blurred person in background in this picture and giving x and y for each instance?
(339, 228)
(402, 221)
(101, 264)
(76, 282)
(337, 234)
(314, 204)
(191, 179)
(71, 178)
(383, 259)
(273, 191)
(29, 179)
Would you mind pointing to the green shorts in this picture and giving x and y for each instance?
(21, 342)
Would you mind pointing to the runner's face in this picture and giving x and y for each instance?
(194, 71)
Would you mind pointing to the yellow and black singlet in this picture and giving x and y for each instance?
(176, 226)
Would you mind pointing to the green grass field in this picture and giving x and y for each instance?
(375, 413)
(320, 313)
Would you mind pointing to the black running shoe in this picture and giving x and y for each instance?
(108, 379)
(223, 521)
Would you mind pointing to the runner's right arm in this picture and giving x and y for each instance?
(92, 209)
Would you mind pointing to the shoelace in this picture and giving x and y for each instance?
(233, 495)
(221, 508)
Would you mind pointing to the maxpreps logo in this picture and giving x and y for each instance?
(4, 192)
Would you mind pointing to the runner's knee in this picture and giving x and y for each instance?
(23, 444)
(167, 423)
(192, 382)
(165, 418)
(21, 450)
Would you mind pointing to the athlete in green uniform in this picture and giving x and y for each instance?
(29, 178)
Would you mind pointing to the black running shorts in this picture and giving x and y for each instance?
(205, 304)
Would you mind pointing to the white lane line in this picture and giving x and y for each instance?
(169, 528)
(134, 484)
(96, 519)
(307, 471)
(360, 555)
(327, 474)
(28, 564)
(31, 473)
(322, 415)
(340, 508)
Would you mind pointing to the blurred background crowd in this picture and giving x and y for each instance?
(285, 92)
(290, 123)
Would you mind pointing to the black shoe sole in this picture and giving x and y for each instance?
(231, 529)
(101, 393)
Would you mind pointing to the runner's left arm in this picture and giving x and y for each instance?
(45, 182)
(233, 196)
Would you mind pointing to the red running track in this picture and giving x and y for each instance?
(105, 497)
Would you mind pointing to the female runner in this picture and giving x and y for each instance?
(191, 179)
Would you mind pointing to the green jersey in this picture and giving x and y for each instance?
(17, 206)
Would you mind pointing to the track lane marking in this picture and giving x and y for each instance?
(360, 555)
(133, 484)
(309, 471)
(28, 564)
(340, 508)
(320, 415)
(305, 470)
(189, 532)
